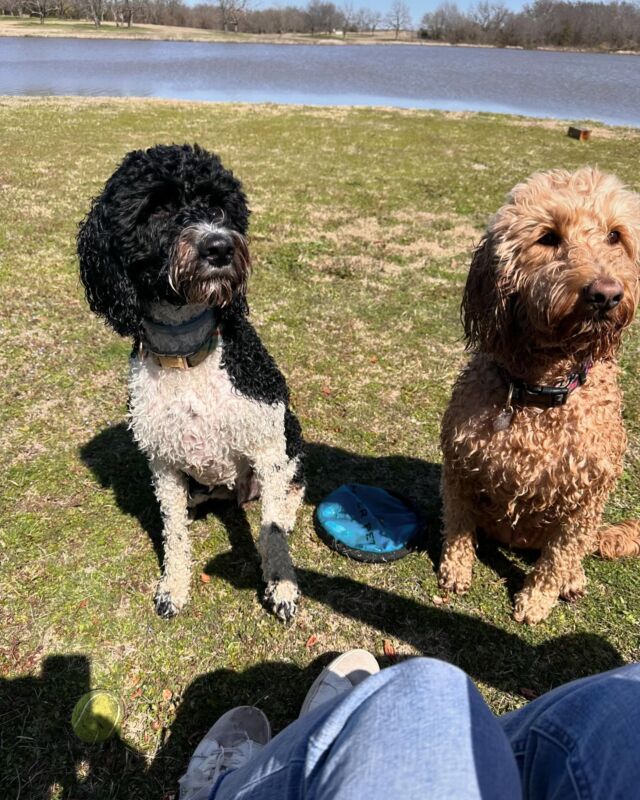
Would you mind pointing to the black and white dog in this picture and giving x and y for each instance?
(164, 259)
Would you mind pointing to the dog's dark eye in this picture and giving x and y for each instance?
(162, 199)
(549, 239)
(613, 237)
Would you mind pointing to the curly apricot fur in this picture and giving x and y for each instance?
(543, 482)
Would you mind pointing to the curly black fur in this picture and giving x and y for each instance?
(126, 240)
(164, 241)
(253, 371)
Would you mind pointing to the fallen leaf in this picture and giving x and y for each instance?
(326, 391)
(205, 578)
(83, 603)
(373, 360)
(311, 641)
(389, 650)
(437, 600)
(155, 725)
(167, 694)
(137, 693)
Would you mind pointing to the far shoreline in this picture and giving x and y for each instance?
(53, 28)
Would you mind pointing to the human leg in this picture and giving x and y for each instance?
(581, 740)
(419, 729)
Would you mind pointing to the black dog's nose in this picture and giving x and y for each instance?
(604, 293)
(217, 247)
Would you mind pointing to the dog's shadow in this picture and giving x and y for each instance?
(116, 461)
(118, 464)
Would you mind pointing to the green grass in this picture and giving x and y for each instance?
(361, 233)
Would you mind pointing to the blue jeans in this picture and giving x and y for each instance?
(421, 730)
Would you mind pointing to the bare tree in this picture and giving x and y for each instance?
(231, 12)
(367, 20)
(42, 8)
(322, 17)
(399, 17)
(448, 24)
(490, 18)
(349, 15)
(293, 18)
(374, 21)
(121, 11)
(96, 10)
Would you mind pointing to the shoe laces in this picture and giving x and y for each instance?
(207, 768)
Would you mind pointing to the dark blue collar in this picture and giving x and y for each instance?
(183, 338)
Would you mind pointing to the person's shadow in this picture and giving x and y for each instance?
(39, 754)
(41, 757)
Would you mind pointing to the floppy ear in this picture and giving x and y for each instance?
(486, 304)
(110, 292)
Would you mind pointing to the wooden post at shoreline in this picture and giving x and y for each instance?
(579, 133)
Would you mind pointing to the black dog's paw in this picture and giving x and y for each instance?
(281, 597)
(165, 607)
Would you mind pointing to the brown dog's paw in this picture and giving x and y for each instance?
(532, 605)
(574, 587)
(454, 577)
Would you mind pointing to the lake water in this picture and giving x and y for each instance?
(543, 84)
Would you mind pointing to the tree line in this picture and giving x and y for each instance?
(543, 23)
(316, 18)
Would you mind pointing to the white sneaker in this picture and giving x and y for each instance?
(340, 676)
(234, 739)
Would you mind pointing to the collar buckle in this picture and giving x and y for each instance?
(550, 396)
(172, 362)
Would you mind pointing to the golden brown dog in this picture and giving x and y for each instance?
(533, 439)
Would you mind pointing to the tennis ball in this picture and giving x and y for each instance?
(97, 716)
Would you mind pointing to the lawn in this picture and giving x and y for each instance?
(85, 29)
(363, 223)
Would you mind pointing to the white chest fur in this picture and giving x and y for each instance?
(196, 421)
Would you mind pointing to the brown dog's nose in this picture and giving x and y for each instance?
(604, 293)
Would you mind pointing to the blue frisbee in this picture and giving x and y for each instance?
(368, 523)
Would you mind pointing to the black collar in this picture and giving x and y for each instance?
(523, 393)
(549, 396)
